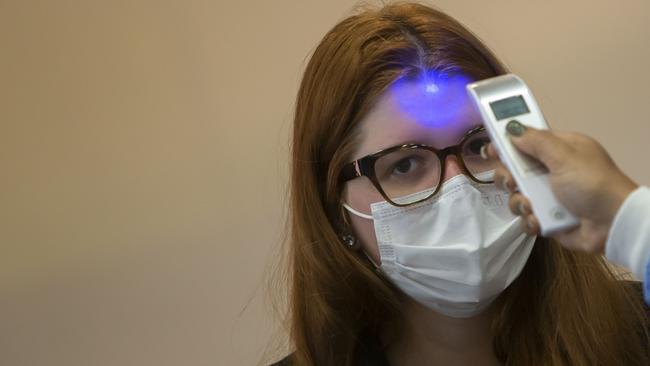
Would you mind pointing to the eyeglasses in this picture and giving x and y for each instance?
(407, 174)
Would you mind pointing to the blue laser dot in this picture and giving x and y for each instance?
(432, 99)
(431, 88)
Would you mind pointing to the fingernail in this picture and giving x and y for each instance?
(515, 128)
(529, 224)
(484, 152)
(521, 208)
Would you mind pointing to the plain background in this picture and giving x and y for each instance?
(144, 146)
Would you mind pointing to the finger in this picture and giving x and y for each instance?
(519, 205)
(491, 152)
(531, 225)
(511, 184)
(506, 182)
(514, 203)
(542, 145)
(501, 176)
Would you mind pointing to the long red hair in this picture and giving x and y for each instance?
(564, 309)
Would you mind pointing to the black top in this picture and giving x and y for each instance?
(371, 353)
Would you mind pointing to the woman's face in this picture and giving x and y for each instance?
(409, 112)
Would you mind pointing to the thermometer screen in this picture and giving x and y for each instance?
(509, 107)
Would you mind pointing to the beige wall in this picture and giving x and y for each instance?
(143, 157)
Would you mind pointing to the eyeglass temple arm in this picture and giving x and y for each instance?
(351, 171)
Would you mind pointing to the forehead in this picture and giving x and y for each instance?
(433, 111)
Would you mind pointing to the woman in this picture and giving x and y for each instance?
(402, 251)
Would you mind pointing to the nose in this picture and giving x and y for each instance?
(452, 168)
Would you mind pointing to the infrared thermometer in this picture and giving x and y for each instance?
(506, 99)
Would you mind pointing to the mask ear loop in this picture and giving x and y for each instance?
(355, 212)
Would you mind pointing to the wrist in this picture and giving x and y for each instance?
(617, 195)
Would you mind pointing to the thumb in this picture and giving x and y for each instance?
(542, 145)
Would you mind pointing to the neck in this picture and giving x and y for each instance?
(430, 338)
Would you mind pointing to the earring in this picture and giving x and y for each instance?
(349, 240)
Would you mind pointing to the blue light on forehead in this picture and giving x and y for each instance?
(432, 99)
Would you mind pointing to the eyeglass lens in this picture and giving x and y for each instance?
(409, 175)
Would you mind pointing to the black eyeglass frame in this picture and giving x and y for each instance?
(365, 166)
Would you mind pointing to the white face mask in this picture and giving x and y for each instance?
(455, 252)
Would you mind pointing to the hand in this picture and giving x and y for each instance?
(583, 178)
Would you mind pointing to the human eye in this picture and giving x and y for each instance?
(475, 145)
(403, 166)
(407, 166)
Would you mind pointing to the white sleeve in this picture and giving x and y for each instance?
(628, 243)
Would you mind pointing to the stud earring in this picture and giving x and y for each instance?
(349, 240)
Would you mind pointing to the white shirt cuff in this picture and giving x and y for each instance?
(628, 242)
